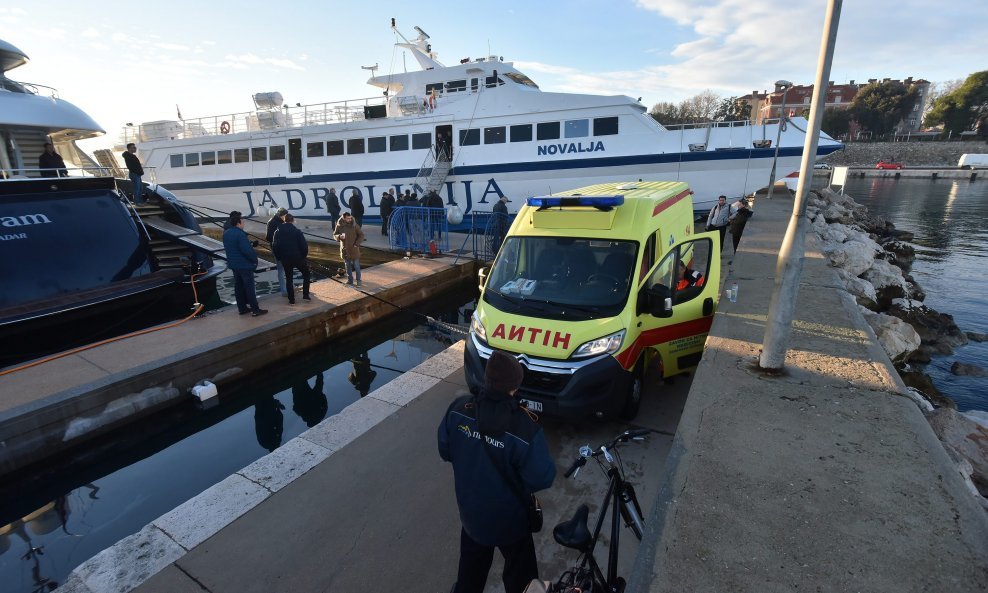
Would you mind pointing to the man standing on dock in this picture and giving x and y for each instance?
(717, 219)
(356, 204)
(290, 248)
(136, 171)
(273, 224)
(500, 457)
(242, 261)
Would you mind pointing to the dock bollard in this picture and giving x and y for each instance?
(204, 391)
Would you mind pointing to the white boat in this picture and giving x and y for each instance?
(506, 137)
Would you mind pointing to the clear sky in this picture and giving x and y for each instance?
(135, 61)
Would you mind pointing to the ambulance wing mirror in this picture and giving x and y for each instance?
(482, 278)
(660, 301)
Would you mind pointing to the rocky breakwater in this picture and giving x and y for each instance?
(873, 261)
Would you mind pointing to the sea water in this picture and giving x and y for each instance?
(948, 219)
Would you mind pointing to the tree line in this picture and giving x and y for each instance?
(957, 106)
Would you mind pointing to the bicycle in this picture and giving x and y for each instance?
(622, 502)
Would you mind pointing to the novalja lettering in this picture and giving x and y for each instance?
(532, 335)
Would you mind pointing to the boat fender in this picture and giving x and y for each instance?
(225, 127)
(204, 390)
(454, 214)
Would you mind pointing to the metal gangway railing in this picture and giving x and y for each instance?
(434, 170)
(418, 229)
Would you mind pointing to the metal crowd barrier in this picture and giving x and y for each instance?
(416, 228)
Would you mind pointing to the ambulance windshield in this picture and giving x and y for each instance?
(562, 277)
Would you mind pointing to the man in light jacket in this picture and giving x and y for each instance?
(717, 219)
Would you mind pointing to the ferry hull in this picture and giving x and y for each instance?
(477, 188)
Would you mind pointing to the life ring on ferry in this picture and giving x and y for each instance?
(225, 127)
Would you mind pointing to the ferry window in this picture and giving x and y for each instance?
(577, 128)
(420, 141)
(241, 155)
(294, 155)
(494, 135)
(470, 137)
(377, 144)
(314, 149)
(355, 146)
(521, 79)
(547, 131)
(435, 86)
(259, 153)
(209, 158)
(522, 133)
(455, 86)
(399, 142)
(493, 81)
(192, 159)
(605, 126)
(334, 148)
(277, 153)
(224, 157)
(474, 83)
(177, 160)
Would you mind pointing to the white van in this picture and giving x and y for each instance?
(973, 161)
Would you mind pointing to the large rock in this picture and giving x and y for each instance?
(859, 287)
(896, 336)
(934, 328)
(903, 254)
(854, 256)
(976, 337)
(838, 213)
(888, 282)
(923, 383)
(964, 439)
(968, 370)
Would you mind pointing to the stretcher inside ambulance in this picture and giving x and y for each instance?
(592, 286)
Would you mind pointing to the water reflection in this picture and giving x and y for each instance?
(310, 402)
(947, 218)
(362, 375)
(57, 517)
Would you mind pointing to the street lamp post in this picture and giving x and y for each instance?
(786, 85)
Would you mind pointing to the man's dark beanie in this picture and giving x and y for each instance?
(504, 373)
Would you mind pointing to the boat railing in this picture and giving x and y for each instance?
(254, 121)
(27, 87)
(36, 173)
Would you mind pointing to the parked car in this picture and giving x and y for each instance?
(883, 164)
(823, 166)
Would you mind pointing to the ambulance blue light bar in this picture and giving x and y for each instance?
(562, 201)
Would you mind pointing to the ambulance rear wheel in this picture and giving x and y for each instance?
(633, 395)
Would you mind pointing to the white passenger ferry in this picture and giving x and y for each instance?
(498, 133)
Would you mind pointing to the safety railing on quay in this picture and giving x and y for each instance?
(418, 229)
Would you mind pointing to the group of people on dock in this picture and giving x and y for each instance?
(723, 217)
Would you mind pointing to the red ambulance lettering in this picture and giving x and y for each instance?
(516, 333)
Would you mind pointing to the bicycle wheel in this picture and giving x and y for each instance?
(631, 512)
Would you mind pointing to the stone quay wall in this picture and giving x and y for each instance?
(910, 154)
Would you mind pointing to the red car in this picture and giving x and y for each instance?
(888, 165)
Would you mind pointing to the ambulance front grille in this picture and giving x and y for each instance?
(545, 382)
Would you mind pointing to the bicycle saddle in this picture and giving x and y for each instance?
(574, 533)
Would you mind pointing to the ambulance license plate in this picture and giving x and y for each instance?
(533, 406)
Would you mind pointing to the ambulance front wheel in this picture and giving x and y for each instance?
(633, 395)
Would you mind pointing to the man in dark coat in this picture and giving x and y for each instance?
(501, 223)
(291, 249)
(273, 224)
(333, 206)
(387, 206)
(356, 204)
(51, 163)
(242, 261)
(476, 433)
(136, 170)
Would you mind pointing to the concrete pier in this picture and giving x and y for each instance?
(826, 478)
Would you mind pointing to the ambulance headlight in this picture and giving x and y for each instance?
(477, 327)
(606, 345)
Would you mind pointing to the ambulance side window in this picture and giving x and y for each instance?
(664, 275)
(694, 266)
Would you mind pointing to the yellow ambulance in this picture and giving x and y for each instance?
(589, 287)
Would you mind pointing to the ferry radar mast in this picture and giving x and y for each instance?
(419, 47)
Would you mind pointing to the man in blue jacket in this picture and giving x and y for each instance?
(242, 261)
(476, 433)
(290, 249)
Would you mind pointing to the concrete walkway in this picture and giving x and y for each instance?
(824, 479)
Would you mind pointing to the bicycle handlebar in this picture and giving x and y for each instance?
(586, 452)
